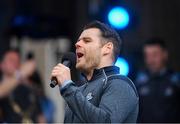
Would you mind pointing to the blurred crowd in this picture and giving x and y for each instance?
(22, 97)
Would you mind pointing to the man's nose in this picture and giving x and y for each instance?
(78, 44)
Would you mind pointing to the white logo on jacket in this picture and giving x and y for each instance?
(89, 96)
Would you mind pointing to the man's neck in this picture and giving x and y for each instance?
(89, 74)
(159, 71)
(6, 76)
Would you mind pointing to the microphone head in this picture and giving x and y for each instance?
(69, 56)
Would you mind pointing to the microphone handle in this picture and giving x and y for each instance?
(54, 79)
(53, 82)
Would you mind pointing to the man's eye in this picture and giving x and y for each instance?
(87, 41)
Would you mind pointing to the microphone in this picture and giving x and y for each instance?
(69, 60)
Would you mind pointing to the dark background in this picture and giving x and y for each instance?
(53, 18)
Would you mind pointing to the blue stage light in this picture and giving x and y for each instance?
(19, 20)
(118, 17)
(123, 65)
(22, 20)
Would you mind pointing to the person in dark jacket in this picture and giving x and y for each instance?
(106, 96)
(158, 86)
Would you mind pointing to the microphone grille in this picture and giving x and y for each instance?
(69, 56)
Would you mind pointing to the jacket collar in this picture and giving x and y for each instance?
(108, 70)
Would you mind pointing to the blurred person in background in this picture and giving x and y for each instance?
(35, 82)
(18, 102)
(158, 85)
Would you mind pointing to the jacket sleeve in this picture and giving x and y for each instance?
(117, 101)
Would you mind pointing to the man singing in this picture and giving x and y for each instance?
(106, 96)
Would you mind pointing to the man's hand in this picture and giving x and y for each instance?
(62, 73)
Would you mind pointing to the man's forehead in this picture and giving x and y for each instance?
(11, 54)
(153, 47)
(90, 32)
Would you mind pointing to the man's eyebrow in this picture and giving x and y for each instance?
(85, 38)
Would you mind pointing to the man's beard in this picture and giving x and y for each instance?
(90, 63)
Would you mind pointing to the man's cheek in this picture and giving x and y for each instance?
(11, 67)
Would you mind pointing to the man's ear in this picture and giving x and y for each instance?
(166, 55)
(107, 48)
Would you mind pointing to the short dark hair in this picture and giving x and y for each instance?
(15, 50)
(107, 33)
(156, 41)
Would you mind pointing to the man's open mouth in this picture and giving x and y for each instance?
(79, 55)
